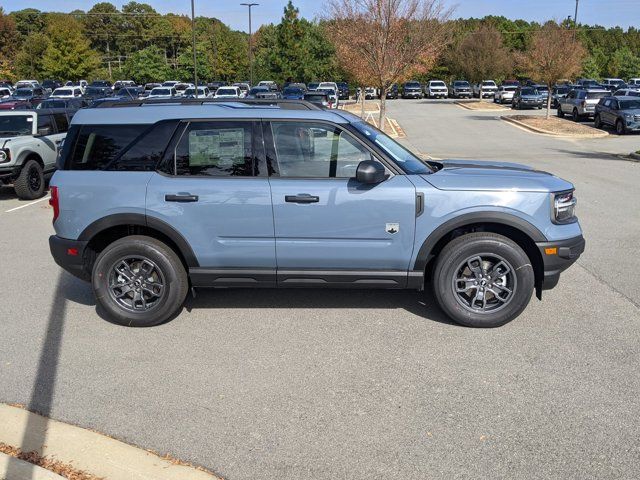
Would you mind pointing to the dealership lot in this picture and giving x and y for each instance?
(357, 384)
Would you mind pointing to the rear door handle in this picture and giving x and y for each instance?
(182, 198)
(301, 198)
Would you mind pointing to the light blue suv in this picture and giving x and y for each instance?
(151, 200)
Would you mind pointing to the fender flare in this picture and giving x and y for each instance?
(139, 219)
(500, 218)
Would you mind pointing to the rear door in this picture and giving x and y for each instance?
(213, 189)
(329, 228)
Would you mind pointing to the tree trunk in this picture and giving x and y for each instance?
(549, 104)
(383, 108)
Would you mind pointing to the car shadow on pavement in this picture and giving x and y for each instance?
(42, 392)
(593, 155)
(421, 304)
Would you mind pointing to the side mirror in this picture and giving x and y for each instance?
(42, 131)
(370, 172)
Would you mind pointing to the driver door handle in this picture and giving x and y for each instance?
(181, 198)
(301, 198)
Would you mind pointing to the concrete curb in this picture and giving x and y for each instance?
(634, 156)
(21, 470)
(597, 134)
(499, 109)
(89, 451)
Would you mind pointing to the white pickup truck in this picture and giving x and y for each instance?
(29, 143)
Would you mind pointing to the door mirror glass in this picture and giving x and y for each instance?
(370, 172)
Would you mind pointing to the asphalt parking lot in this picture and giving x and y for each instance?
(294, 384)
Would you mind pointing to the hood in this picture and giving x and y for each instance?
(476, 175)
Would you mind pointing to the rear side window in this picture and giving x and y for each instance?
(146, 152)
(98, 145)
(216, 149)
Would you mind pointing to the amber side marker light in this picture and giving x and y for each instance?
(551, 251)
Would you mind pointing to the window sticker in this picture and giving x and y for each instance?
(219, 147)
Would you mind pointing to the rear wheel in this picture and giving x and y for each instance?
(483, 280)
(30, 182)
(575, 116)
(560, 112)
(139, 281)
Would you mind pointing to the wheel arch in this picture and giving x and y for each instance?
(106, 230)
(25, 155)
(515, 228)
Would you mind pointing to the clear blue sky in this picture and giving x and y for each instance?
(623, 13)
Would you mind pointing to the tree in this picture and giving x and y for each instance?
(554, 54)
(624, 63)
(103, 22)
(8, 40)
(29, 20)
(68, 54)
(385, 41)
(146, 65)
(482, 55)
(28, 61)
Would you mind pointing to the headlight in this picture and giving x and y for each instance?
(4, 156)
(564, 207)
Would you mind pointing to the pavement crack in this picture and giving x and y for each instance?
(611, 287)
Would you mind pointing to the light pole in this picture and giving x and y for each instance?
(195, 59)
(250, 42)
(575, 16)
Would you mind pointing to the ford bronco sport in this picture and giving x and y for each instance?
(29, 141)
(153, 199)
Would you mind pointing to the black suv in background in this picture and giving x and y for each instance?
(393, 92)
(343, 90)
(412, 90)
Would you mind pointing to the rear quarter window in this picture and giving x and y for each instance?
(96, 146)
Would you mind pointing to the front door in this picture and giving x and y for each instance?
(329, 228)
(215, 193)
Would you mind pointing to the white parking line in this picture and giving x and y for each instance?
(27, 204)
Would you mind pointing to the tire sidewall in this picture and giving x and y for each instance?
(451, 258)
(175, 279)
(22, 185)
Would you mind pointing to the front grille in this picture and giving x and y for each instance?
(636, 118)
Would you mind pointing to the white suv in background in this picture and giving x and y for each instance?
(67, 92)
(437, 89)
(504, 94)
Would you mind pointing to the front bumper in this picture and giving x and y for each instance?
(557, 257)
(70, 255)
(7, 174)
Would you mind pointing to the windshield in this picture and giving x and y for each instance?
(594, 95)
(629, 104)
(52, 104)
(562, 89)
(313, 85)
(542, 88)
(14, 125)
(23, 92)
(93, 90)
(529, 91)
(227, 91)
(293, 91)
(437, 84)
(329, 91)
(509, 88)
(62, 91)
(255, 90)
(160, 91)
(403, 157)
(412, 85)
(489, 84)
(460, 84)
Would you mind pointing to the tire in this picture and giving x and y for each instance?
(454, 263)
(620, 128)
(575, 116)
(597, 122)
(559, 112)
(30, 183)
(139, 252)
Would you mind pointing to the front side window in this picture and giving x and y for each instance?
(316, 150)
(61, 121)
(215, 149)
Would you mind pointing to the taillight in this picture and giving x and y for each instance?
(54, 201)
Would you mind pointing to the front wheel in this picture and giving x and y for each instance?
(139, 281)
(559, 112)
(483, 280)
(30, 182)
(620, 128)
(575, 116)
(597, 122)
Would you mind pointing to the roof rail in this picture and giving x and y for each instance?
(265, 102)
